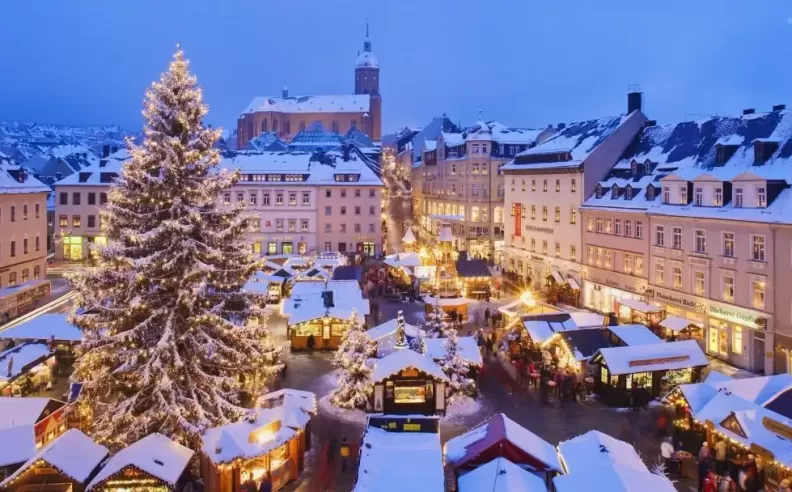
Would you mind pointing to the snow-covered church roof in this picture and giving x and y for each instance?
(344, 103)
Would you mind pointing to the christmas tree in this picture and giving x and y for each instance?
(435, 325)
(351, 359)
(172, 343)
(455, 366)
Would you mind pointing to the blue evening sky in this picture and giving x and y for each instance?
(522, 62)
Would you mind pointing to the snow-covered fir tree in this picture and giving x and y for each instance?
(455, 366)
(172, 343)
(435, 325)
(351, 359)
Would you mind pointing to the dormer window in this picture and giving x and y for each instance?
(723, 153)
(761, 197)
(698, 196)
(718, 198)
(614, 192)
(650, 193)
(598, 191)
(666, 194)
(628, 193)
(683, 195)
(764, 149)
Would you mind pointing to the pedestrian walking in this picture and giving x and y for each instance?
(266, 483)
(344, 451)
(250, 484)
(703, 464)
(310, 343)
(487, 316)
(720, 457)
(519, 368)
(489, 343)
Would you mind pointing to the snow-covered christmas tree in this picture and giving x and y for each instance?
(435, 325)
(172, 343)
(351, 359)
(455, 366)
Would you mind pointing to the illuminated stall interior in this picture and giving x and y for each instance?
(152, 464)
(407, 383)
(476, 278)
(274, 444)
(635, 311)
(25, 367)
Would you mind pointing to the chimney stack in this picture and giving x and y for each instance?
(779, 107)
(634, 101)
(749, 111)
(105, 150)
(285, 92)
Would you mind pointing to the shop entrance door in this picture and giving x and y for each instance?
(758, 355)
(714, 340)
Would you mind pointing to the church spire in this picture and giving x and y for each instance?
(367, 41)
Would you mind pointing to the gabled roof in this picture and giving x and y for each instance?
(651, 357)
(402, 359)
(594, 450)
(347, 103)
(500, 475)
(472, 268)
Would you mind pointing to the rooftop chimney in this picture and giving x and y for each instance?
(634, 101)
(779, 107)
(105, 150)
(749, 111)
(285, 92)
(650, 123)
(560, 126)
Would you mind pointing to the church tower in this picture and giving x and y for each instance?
(367, 82)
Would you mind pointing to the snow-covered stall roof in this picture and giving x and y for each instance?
(491, 432)
(42, 327)
(16, 411)
(468, 349)
(402, 359)
(760, 391)
(73, 453)
(585, 319)
(618, 478)
(155, 454)
(637, 305)
(307, 301)
(541, 331)
(446, 301)
(385, 335)
(652, 357)
(597, 450)
(675, 323)
(272, 428)
(19, 357)
(400, 461)
(346, 103)
(19, 444)
(500, 475)
(403, 260)
(635, 334)
(306, 400)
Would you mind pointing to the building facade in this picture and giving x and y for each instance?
(461, 183)
(23, 221)
(301, 203)
(715, 241)
(545, 187)
(288, 115)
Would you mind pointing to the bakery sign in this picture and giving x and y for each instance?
(726, 312)
(658, 360)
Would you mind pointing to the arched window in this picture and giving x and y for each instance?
(36, 272)
(25, 275)
(335, 126)
(263, 126)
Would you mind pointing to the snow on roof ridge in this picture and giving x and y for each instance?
(341, 103)
(400, 359)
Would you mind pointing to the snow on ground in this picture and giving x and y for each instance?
(462, 407)
(352, 416)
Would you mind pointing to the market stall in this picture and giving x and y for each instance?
(406, 382)
(27, 424)
(676, 328)
(273, 287)
(468, 350)
(635, 374)
(476, 279)
(152, 464)
(635, 311)
(454, 307)
(274, 444)
(384, 335)
(16, 300)
(500, 475)
(25, 367)
(64, 465)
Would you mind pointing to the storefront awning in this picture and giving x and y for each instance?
(573, 283)
(556, 276)
(640, 306)
(675, 323)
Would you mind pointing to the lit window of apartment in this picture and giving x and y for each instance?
(292, 225)
(544, 247)
(279, 225)
(728, 286)
(676, 238)
(699, 284)
(659, 272)
(698, 197)
(558, 185)
(738, 198)
(718, 199)
(737, 339)
(628, 263)
(639, 229)
(75, 221)
(758, 292)
(573, 216)
(574, 185)
(589, 255)
(533, 185)
(628, 228)
(475, 169)
(63, 221)
(617, 227)
(484, 169)
(666, 194)
(701, 241)
(608, 259)
(761, 197)
(757, 248)
(659, 236)
(304, 225)
(599, 256)
(608, 226)
(638, 265)
(306, 198)
(676, 273)
(544, 214)
(600, 227)
(683, 195)
(544, 185)
(533, 212)
(558, 249)
(292, 199)
(572, 252)
(590, 225)
(558, 214)
(728, 244)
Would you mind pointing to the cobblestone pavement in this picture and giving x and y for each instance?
(553, 422)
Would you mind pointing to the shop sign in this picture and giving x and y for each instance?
(409, 372)
(722, 311)
(540, 259)
(396, 424)
(659, 360)
(546, 230)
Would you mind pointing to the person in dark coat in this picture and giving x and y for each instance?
(266, 483)
(487, 316)
(311, 343)
(250, 484)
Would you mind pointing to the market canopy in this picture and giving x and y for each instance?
(472, 269)
(596, 450)
(640, 306)
(653, 357)
(468, 349)
(43, 328)
(618, 478)
(675, 323)
(500, 475)
(403, 260)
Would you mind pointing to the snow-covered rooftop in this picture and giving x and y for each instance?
(155, 454)
(15, 180)
(73, 453)
(19, 444)
(101, 173)
(402, 359)
(15, 411)
(403, 260)
(19, 357)
(500, 475)
(366, 59)
(307, 301)
(468, 349)
(635, 334)
(346, 103)
(43, 327)
(597, 450)
(652, 357)
(400, 461)
(618, 478)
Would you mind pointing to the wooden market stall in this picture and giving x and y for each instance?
(637, 373)
(46, 418)
(499, 436)
(409, 383)
(274, 444)
(25, 367)
(476, 278)
(454, 307)
(676, 328)
(635, 311)
(152, 464)
(66, 464)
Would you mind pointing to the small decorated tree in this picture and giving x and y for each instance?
(351, 358)
(455, 366)
(436, 325)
